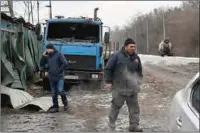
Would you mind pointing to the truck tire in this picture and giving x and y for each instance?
(46, 85)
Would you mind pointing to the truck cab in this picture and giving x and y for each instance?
(81, 42)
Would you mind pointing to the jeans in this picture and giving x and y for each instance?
(57, 88)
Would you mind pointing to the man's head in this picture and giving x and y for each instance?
(130, 46)
(50, 48)
(166, 40)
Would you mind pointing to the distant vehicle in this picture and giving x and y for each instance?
(184, 112)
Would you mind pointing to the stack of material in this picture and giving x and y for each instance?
(20, 52)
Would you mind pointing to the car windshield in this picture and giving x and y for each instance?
(73, 32)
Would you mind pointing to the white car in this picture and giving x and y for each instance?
(184, 111)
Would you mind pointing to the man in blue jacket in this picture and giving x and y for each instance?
(56, 64)
(123, 73)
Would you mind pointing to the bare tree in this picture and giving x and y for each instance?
(181, 24)
(7, 7)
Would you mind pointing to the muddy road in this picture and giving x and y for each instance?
(89, 109)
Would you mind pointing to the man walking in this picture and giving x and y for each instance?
(56, 64)
(123, 73)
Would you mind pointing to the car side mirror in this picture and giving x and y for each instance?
(107, 37)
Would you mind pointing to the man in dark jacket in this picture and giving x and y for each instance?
(56, 64)
(123, 73)
(165, 47)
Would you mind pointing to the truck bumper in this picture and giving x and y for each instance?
(77, 75)
(83, 75)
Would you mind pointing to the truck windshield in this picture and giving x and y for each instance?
(73, 32)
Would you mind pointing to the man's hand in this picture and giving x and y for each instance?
(108, 85)
(45, 53)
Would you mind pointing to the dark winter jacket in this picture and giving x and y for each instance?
(55, 63)
(124, 72)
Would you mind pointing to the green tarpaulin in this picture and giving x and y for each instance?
(16, 69)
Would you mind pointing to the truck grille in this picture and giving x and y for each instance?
(81, 62)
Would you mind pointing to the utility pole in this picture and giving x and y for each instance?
(132, 32)
(164, 24)
(122, 38)
(28, 11)
(10, 6)
(135, 34)
(32, 11)
(147, 29)
(136, 37)
(50, 9)
(38, 11)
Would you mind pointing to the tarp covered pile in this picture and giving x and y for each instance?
(16, 69)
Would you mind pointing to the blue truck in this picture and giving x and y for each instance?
(81, 41)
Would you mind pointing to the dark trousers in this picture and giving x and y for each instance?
(133, 108)
(57, 88)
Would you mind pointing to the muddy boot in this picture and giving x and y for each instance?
(54, 110)
(135, 129)
(111, 125)
(65, 107)
(170, 54)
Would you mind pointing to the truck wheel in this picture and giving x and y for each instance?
(46, 85)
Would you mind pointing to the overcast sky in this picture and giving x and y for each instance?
(112, 13)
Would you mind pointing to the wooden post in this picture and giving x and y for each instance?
(32, 12)
(21, 40)
(38, 11)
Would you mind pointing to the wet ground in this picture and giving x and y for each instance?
(89, 109)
